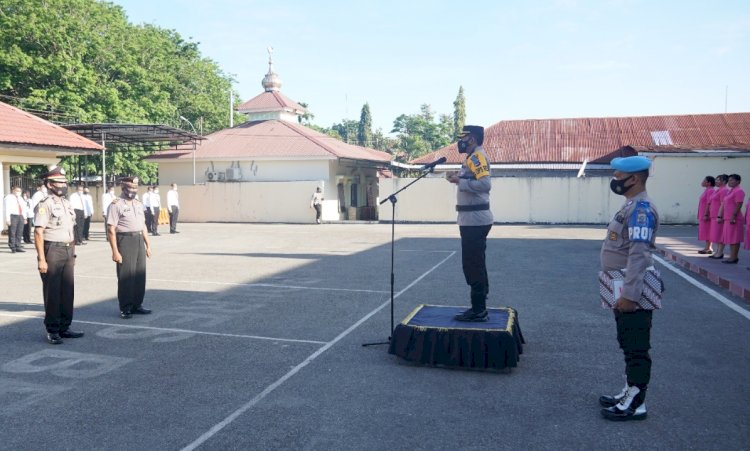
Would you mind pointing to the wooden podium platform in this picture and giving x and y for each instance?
(430, 336)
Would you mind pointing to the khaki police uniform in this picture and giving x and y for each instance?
(628, 244)
(128, 217)
(475, 221)
(55, 216)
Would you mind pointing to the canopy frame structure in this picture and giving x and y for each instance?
(149, 137)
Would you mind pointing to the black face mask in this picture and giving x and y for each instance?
(60, 191)
(129, 194)
(618, 186)
(463, 146)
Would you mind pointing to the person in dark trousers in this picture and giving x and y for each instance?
(173, 207)
(474, 218)
(54, 240)
(29, 215)
(15, 218)
(76, 200)
(316, 202)
(128, 238)
(627, 250)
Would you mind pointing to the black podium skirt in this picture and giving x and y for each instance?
(430, 336)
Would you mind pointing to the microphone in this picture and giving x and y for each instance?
(432, 165)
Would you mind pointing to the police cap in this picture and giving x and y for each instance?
(631, 164)
(130, 182)
(475, 130)
(55, 174)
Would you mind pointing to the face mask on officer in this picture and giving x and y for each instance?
(58, 190)
(463, 145)
(618, 186)
(129, 193)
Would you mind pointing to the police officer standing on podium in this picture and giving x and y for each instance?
(54, 240)
(630, 238)
(128, 238)
(474, 218)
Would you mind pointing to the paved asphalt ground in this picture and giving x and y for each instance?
(255, 343)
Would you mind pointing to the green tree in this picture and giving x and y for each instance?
(305, 119)
(84, 60)
(364, 128)
(419, 134)
(347, 130)
(459, 111)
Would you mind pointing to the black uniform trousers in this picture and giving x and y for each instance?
(173, 215)
(57, 287)
(634, 337)
(473, 247)
(86, 227)
(79, 226)
(27, 228)
(15, 232)
(131, 273)
(155, 220)
(149, 219)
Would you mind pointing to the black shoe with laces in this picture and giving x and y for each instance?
(54, 338)
(632, 406)
(71, 334)
(609, 401)
(472, 316)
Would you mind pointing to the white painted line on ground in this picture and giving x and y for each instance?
(169, 329)
(267, 285)
(234, 415)
(704, 288)
(419, 250)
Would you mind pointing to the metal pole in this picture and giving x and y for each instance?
(104, 165)
(193, 162)
(231, 109)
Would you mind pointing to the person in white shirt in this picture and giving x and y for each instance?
(76, 201)
(173, 206)
(15, 218)
(107, 199)
(28, 215)
(147, 208)
(88, 212)
(41, 193)
(155, 210)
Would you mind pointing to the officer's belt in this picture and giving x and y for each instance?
(59, 243)
(129, 233)
(477, 207)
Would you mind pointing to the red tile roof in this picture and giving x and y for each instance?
(20, 127)
(270, 101)
(273, 139)
(600, 139)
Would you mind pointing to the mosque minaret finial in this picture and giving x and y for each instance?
(271, 82)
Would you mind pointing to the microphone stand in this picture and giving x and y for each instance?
(392, 198)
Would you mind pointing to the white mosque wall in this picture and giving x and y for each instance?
(249, 171)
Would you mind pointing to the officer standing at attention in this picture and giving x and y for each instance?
(128, 237)
(630, 238)
(54, 240)
(155, 200)
(147, 208)
(474, 218)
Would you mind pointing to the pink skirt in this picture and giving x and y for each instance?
(734, 233)
(704, 230)
(747, 226)
(716, 232)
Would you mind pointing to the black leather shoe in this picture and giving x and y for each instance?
(472, 316)
(609, 401)
(71, 334)
(125, 315)
(54, 338)
(20, 249)
(141, 311)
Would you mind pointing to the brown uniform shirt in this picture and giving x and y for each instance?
(126, 215)
(56, 216)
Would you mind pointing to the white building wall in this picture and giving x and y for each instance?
(252, 171)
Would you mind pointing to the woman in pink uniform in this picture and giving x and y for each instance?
(731, 215)
(704, 215)
(717, 228)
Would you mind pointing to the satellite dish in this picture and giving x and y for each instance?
(582, 171)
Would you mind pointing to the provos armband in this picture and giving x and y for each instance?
(642, 223)
(477, 164)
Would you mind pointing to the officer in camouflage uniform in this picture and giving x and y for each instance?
(54, 240)
(128, 237)
(630, 238)
(474, 218)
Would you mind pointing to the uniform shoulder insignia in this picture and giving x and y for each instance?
(477, 164)
(642, 223)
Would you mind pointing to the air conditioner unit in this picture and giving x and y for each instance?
(234, 174)
(222, 177)
(212, 176)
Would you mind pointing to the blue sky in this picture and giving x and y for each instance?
(515, 60)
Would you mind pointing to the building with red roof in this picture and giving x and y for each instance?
(28, 139)
(272, 146)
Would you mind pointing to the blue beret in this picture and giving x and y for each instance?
(631, 164)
